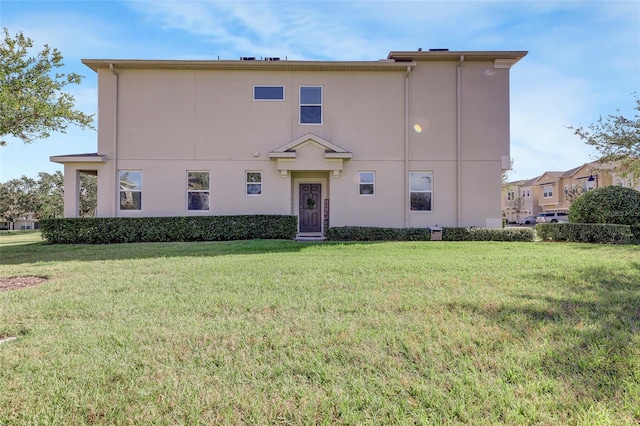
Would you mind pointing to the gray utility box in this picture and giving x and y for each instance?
(436, 233)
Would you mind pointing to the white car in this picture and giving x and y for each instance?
(526, 220)
(552, 217)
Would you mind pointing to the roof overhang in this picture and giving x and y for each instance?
(500, 59)
(78, 158)
(253, 65)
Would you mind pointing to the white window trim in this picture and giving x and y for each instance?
(268, 100)
(367, 183)
(547, 194)
(431, 192)
(321, 105)
(247, 183)
(198, 190)
(120, 191)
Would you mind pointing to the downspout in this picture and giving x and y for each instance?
(116, 205)
(407, 134)
(459, 142)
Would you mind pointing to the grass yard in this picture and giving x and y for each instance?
(279, 332)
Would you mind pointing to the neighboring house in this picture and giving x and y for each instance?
(417, 139)
(555, 191)
(519, 200)
(25, 222)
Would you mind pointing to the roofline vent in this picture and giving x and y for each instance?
(438, 50)
(247, 58)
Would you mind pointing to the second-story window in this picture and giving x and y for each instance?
(310, 105)
(268, 93)
(547, 191)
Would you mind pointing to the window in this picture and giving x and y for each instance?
(510, 195)
(130, 190)
(254, 183)
(547, 191)
(310, 105)
(198, 190)
(526, 193)
(366, 183)
(420, 191)
(268, 93)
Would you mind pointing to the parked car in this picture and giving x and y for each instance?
(552, 217)
(526, 220)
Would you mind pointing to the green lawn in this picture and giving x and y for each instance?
(279, 332)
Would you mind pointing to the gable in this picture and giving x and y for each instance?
(310, 152)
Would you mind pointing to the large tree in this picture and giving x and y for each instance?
(32, 101)
(44, 197)
(18, 198)
(617, 140)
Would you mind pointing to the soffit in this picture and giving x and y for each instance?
(252, 65)
(514, 55)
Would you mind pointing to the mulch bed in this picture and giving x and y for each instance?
(15, 283)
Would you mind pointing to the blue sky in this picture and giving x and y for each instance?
(583, 61)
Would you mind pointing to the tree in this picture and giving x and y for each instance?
(44, 198)
(32, 101)
(50, 195)
(517, 204)
(88, 194)
(570, 194)
(617, 139)
(17, 198)
(608, 204)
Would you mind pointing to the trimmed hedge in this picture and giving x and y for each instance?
(162, 229)
(361, 233)
(603, 233)
(489, 234)
(608, 204)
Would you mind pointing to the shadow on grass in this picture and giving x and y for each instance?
(34, 252)
(590, 332)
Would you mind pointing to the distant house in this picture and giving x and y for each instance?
(554, 191)
(25, 222)
(417, 139)
(519, 201)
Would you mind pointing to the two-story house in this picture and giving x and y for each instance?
(519, 200)
(555, 191)
(417, 139)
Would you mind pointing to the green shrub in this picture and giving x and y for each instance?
(361, 233)
(609, 204)
(489, 234)
(365, 233)
(161, 229)
(585, 232)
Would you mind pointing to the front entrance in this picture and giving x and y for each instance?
(310, 215)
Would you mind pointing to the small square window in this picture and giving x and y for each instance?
(366, 183)
(254, 183)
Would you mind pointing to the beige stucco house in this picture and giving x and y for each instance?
(417, 139)
(519, 200)
(555, 191)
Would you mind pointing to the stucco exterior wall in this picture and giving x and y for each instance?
(165, 121)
